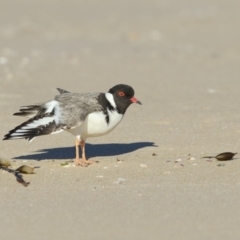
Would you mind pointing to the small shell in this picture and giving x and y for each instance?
(25, 169)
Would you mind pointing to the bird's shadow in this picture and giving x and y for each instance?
(92, 150)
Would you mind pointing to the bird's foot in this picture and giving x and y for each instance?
(82, 162)
(89, 162)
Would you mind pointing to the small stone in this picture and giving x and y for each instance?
(178, 160)
(120, 160)
(143, 165)
(120, 180)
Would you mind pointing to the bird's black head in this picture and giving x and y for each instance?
(123, 96)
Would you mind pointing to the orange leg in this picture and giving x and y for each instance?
(82, 162)
(78, 161)
(85, 161)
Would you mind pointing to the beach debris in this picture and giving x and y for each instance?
(221, 165)
(120, 160)
(154, 154)
(120, 180)
(178, 160)
(225, 156)
(20, 179)
(5, 163)
(64, 164)
(143, 165)
(25, 169)
(17, 174)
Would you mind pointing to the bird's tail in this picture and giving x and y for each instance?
(43, 122)
(30, 111)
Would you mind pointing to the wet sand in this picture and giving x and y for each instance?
(150, 182)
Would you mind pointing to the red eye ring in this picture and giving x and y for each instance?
(121, 94)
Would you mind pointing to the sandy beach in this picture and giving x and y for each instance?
(150, 182)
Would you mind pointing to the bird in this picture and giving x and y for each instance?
(81, 114)
(223, 156)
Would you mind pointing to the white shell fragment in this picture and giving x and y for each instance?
(120, 180)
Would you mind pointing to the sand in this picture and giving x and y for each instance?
(150, 182)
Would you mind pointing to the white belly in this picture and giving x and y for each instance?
(95, 125)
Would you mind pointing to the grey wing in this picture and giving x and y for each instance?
(74, 107)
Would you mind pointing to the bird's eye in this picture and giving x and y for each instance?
(121, 94)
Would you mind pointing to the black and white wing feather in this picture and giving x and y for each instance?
(66, 111)
(43, 120)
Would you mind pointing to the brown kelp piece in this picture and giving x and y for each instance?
(25, 169)
(5, 163)
(20, 179)
(225, 156)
